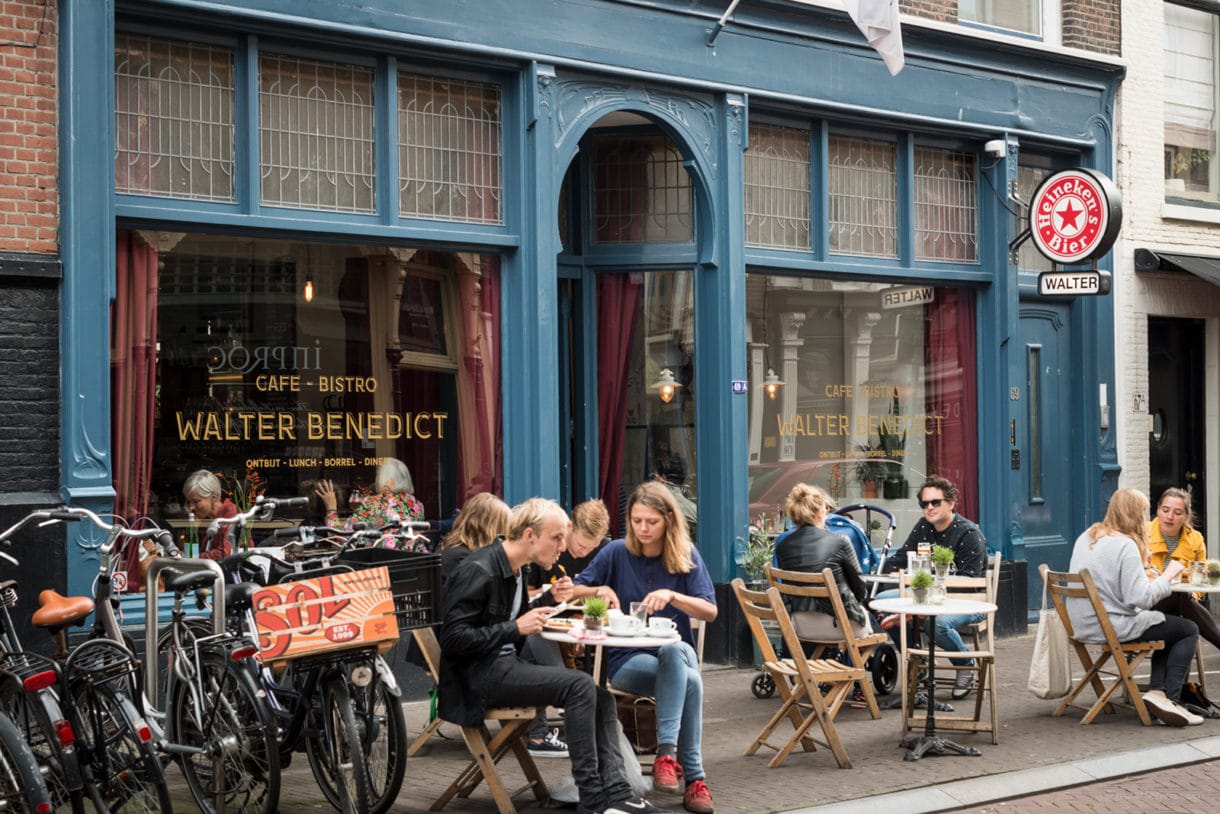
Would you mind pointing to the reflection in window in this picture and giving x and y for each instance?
(641, 191)
(777, 187)
(1191, 174)
(449, 148)
(863, 185)
(1016, 15)
(173, 110)
(946, 206)
(315, 134)
(1028, 179)
(249, 376)
(879, 391)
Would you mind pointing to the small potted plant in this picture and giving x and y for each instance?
(921, 583)
(893, 447)
(1213, 571)
(942, 558)
(595, 610)
(870, 470)
(757, 554)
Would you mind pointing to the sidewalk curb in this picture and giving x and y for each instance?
(993, 788)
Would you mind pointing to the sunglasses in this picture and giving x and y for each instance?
(934, 503)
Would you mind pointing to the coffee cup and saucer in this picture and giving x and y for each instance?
(624, 625)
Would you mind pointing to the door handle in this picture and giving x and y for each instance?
(1191, 477)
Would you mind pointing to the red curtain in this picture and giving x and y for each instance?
(618, 305)
(478, 380)
(133, 374)
(949, 366)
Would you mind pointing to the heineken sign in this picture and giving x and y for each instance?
(1075, 215)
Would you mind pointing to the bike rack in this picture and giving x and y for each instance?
(151, 621)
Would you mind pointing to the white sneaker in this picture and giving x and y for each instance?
(1191, 718)
(1167, 710)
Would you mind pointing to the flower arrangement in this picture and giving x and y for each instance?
(836, 481)
(243, 489)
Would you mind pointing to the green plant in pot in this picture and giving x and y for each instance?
(921, 584)
(893, 447)
(595, 610)
(757, 554)
(1213, 571)
(870, 470)
(942, 558)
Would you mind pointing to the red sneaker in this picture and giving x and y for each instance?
(697, 798)
(665, 773)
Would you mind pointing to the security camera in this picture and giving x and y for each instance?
(996, 148)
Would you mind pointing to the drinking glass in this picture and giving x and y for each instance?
(640, 611)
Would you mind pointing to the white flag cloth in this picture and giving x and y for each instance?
(878, 22)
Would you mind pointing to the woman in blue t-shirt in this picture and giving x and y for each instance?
(657, 564)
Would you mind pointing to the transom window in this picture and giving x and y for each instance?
(178, 120)
(777, 187)
(946, 206)
(863, 182)
(641, 191)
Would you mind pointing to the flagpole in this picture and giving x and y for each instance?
(724, 18)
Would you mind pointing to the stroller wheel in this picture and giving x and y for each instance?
(763, 686)
(883, 664)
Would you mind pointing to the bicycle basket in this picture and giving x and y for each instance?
(415, 582)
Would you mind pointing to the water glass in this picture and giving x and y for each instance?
(640, 611)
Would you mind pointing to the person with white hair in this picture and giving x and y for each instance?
(205, 500)
(394, 501)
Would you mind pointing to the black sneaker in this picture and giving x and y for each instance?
(550, 746)
(634, 805)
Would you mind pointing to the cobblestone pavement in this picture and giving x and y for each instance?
(1033, 755)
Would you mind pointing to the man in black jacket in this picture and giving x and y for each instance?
(485, 622)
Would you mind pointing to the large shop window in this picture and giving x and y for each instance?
(278, 362)
(860, 388)
(1192, 176)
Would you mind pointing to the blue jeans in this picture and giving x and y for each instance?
(672, 677)
(946, 635)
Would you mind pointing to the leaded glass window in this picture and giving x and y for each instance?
(863, 185)
(449, 149)
(173, 118)
(777, 188)
(946, 206)
(316, 134)
(641, 191)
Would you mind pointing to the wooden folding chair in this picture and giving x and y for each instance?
(822, 585)
(1125, 656)
(486, 749)
(981, 652)
(812, 690)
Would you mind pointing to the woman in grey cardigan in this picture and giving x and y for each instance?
(1115, 551)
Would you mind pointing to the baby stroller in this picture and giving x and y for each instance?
(883, 663)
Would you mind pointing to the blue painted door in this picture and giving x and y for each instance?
(1047, 441)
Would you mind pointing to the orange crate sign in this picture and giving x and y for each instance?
(323, 614)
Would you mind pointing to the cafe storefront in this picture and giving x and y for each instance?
(331, 238)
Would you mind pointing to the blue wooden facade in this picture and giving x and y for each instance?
(564, 64)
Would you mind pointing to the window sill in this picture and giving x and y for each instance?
(1201, 213)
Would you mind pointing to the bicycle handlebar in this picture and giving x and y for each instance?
(70, 514)
(263, 508)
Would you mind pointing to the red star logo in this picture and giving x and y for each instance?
(1068, 215)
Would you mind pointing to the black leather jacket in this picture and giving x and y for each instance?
(475, 626)
(810, 549)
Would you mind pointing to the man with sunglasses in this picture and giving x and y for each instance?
(942, 525)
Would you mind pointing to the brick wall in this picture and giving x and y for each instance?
(29, 203)
(1093, 25)
(944, 11)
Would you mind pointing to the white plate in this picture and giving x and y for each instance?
(625, 633)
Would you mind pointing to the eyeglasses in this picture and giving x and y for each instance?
(934, 502)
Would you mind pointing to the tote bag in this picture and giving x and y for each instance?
(1050, 671)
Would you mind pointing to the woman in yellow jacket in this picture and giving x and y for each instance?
(1171, 535)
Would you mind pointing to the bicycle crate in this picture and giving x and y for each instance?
(415, 581)
(323, 614)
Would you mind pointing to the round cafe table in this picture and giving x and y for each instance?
(639, 641)
(1181, 587)
(929, 742)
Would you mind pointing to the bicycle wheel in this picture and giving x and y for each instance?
(21, 786)
(34, 714)
(222, 714)
(123, 767)
(383, 736)
(336, 755)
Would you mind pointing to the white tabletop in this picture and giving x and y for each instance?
(950, 607)
(610, 640)
(952, 581)
(1194, 588)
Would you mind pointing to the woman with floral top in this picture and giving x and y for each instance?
(393, 502)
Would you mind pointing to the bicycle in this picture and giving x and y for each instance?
(22, 789)
(112, 739)
(361, 760)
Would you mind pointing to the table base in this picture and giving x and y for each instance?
(921, 745)
(921, 702)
